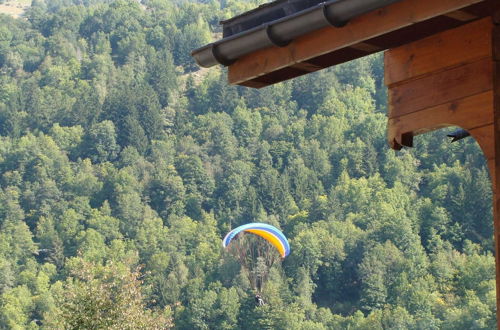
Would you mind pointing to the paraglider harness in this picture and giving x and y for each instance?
(258, 300)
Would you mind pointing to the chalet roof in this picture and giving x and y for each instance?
(277, 24)
(288, 38)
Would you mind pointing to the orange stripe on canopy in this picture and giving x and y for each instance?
(270, 238)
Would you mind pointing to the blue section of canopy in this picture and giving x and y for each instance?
(256, 226)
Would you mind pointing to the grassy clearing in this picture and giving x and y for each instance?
(14, 8)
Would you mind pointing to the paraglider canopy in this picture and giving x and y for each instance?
(256, 246)
(270, 233)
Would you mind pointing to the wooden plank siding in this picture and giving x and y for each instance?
(466, 112)
(441, 87)
(427, 93)
(427, 55)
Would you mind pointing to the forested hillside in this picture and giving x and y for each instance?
(122, 167)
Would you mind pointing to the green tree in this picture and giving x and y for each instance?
(108, 296)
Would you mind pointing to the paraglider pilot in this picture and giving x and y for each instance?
(258, 300)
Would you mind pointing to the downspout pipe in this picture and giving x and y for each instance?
(282, 31)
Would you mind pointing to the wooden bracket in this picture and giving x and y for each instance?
(443, 80)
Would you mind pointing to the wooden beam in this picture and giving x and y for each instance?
(329, 39)
(469, 113)
(495, 36)
(441, 88)
(464, 44)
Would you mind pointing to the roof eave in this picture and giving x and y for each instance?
(282, 31)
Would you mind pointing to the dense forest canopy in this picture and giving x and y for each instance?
(122, 166)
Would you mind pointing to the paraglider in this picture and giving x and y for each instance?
(257, 246)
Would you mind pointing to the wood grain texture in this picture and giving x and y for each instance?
(441, 87)
(470, 112)
(447, 49)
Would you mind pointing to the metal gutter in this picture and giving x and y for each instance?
(282, 31)
(265, 13)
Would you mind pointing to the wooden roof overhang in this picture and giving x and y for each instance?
(397, 24)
